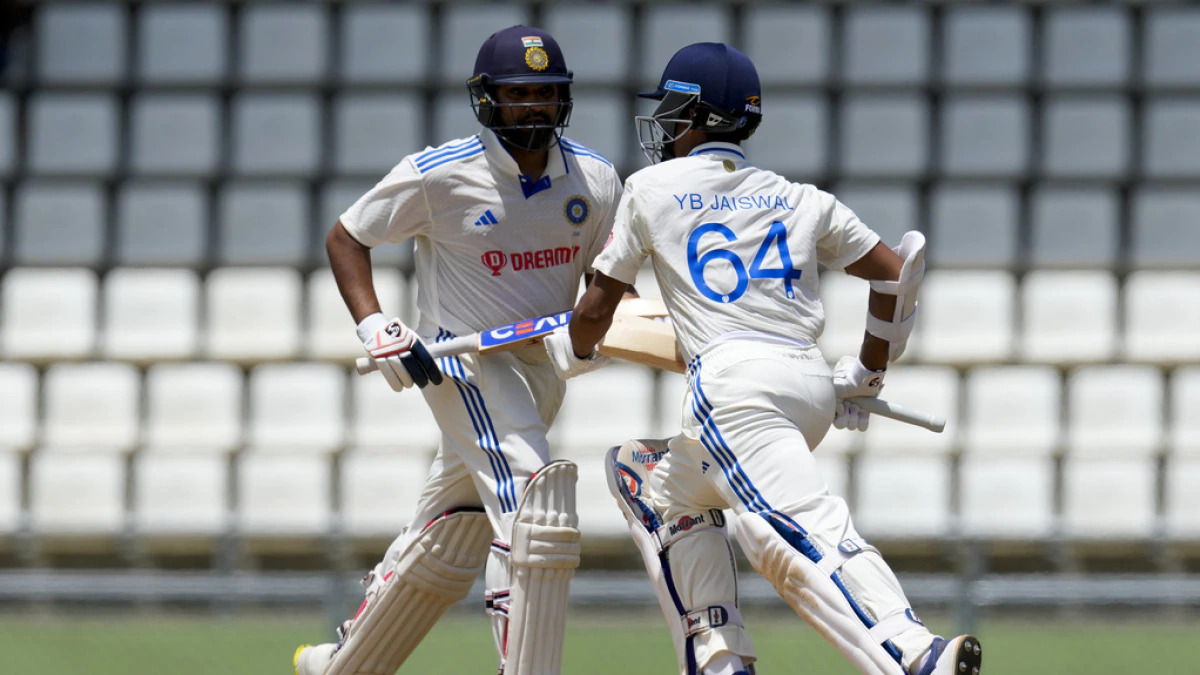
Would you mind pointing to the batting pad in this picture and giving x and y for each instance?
(896, 331)
(689, 561)
(821, 596)
(545, 553)
(435, 572)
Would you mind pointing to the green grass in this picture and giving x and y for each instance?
(597, 643)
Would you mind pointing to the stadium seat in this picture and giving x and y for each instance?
(985, 136)
(281, 495)
(379, 491)
(1086, 137)
(253, 314)
(1087, 46)
(330, 334)
(844, 299)
(986, 45)
(1169, 47)
(161, 224)
(599, 122)
(150, 314)
(381, 419)
(902, 497)
(605, 408)
(59, 224)
(973, 227)
(72, 133)
(8, 133)
(669, 392)
(384, 42)
(18, 406)
(1164, 232)
(263, 224)
(1068, 317)
(336, 197)
(92, 406)
(283, 42)
(470, 25)
(889, 210)
(1013, 410)
(1181, 501)
(966, 317)
(932, 389)
(1109, 498)
(76, 493)
(1172, 138)
(10, 494)
(1184, 424)
(665, 30)
(182, 43)
(297, 407)
(80, 43)
(275, 133)
(795, 143)
(1115, 411)
(194, 406)
(885, 45)
(1010, 498)
(884, 135)
(1073, 227)
(453, 117)
(175, 134)
(180, 495)
(597, 41)
(599, 515)
(373, 132)
(35, 304)
(1162, 317)
(788, 44)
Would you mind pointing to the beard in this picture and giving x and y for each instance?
(531, 139)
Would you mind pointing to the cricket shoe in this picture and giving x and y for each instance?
(959, 656)
(312, 659)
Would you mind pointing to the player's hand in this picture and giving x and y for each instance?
(562, 356)
(398, 352)
(850, 379)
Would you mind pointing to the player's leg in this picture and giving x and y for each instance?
(688, 559)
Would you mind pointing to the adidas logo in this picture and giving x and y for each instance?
(487, 219)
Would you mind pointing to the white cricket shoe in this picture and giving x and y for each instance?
(313, 659)
(958, 656)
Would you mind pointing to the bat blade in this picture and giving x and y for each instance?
(645, 341)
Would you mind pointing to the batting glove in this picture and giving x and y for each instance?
(398, 352)
(562, 356)
(850, 379)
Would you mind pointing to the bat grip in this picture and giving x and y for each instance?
(877, 406)
(451, 347)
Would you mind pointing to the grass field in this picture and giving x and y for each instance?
(636, 644)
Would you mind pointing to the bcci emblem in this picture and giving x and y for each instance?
(536, 58)
(576, 210)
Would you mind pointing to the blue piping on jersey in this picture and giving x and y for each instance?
(469, 152)
(729, 150)
(485, 431)
(582, 151)
(426, 157)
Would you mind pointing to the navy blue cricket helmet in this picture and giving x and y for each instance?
(520, 55)
(706, 86)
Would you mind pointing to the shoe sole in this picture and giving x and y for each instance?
(968, 658)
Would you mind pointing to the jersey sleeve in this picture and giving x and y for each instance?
(628, 245)
(843, 239)
(392, 211)
(600, 236)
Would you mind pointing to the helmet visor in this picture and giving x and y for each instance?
(658, 132)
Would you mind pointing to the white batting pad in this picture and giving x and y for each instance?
(689, 561)
(545, 553)
(896, 330)
(435, 572)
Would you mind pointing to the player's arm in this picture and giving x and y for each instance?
(351, 264)
(594, 312)
(879, 264)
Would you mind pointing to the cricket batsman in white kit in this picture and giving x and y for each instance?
(735, 251)
(506, 223)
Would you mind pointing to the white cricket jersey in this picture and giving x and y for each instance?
(735, 248)
(492, 246)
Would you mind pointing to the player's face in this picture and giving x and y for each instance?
(534, 106)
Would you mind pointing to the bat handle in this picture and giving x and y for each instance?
(451, 347)
(899, 413)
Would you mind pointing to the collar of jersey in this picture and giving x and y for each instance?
(498, 156)
(718, 148)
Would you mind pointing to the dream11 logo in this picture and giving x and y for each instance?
(494, 261)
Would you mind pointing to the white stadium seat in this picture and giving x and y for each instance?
(92, 406)
(282, 495)
(48, 314)
(599, 515)
(1182, 500)
(10, 493)
(902, 497)
(1109, 498)
(18, 406)
(605, 408)
(330, 333)
(76, 493)
(669, 411)
(180, 495)
(1069, 317)
(1004, 497)
(844, 300)
(1013, 410)
(932, 389)
(150, 314)
(1162, 317)
(1184, 425)
(194, 406)
(379, 491)
(297, 407)
(1115, 411)
(253, 314)
(965, 317)
(381, 419)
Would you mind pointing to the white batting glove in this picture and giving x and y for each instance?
(850, 379)
(399, 354)
(562, 356)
